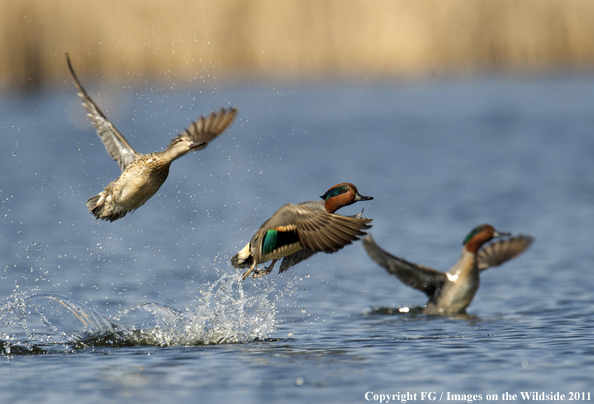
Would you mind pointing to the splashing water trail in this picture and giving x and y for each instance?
(46, 321)
(224, 313)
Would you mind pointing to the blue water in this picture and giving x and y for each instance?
(148, 308)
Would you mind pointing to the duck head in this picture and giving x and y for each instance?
(182, 145)
(479, 236)
(341, 195)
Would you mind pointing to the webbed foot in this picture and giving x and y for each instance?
(265, 271)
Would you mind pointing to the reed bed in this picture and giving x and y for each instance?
(285, 39)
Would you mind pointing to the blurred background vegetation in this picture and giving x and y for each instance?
(231, 40)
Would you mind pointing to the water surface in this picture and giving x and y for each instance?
(148, 308)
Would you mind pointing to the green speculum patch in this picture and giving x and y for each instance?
(275, 239)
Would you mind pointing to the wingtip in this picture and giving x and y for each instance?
(69, 63)
(375, 252)
(225, 111)
(82, 93)
(529, 239)
(231, 112)
(526, 239)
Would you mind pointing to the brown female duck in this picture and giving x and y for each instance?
(142, 174)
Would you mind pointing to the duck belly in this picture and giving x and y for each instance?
(134, 188)
(453, 298)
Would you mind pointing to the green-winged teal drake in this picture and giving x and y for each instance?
(452, 291)
(296, 232)
(142, 174)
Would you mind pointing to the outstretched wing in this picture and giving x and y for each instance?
(419, 277)
(327, 232)
(502, 250)
(206, 129)
(295, 259)
(117, 146)
(297, 227)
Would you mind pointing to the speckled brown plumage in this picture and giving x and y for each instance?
(142, 174)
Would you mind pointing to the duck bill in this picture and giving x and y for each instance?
(197, 145)
(359, 197)
(500, 234)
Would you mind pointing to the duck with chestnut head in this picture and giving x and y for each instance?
(451, 292)
(296, 232)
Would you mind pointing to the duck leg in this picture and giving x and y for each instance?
(249, 271)
(265, 271)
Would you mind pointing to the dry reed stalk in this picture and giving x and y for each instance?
(201, 40)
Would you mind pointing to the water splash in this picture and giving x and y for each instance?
(46, 321)
(223, 314)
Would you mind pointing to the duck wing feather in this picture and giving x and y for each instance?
(500, 251)
(115, 143)
(206, 129)
(317, 230)
(294, 259)
(327, 232)
(417, 276)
